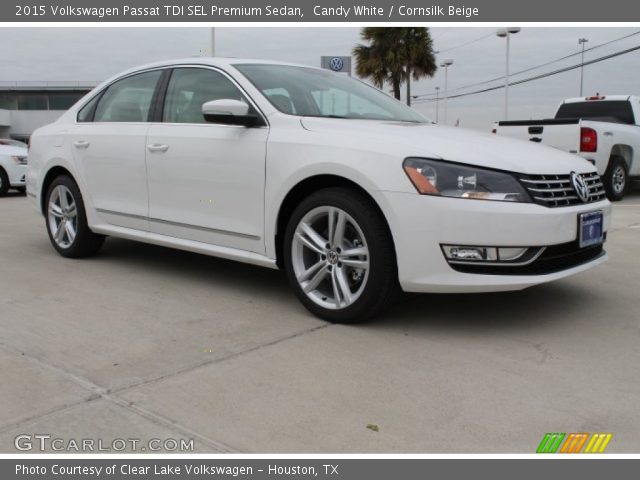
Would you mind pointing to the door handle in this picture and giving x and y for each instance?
(81, 144)
(158, 147)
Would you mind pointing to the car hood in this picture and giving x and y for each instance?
(451, 143)
(10, 151)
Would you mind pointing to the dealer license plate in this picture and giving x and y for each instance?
(590, 229)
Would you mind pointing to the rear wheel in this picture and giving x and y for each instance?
(4, 183)
(339, 256)
(67, 221)
(616, 178)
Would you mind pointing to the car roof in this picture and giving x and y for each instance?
(213, 61)
(603, 98)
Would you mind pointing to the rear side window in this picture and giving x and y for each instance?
(618, 111)
(128, 100)
(189, 88)
(86, 113)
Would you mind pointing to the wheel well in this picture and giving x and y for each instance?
(300, 192)
(51, 175)
(624, 151)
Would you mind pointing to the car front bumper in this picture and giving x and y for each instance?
(422, 224)
(17, 175)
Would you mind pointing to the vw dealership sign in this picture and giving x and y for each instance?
(336, 63)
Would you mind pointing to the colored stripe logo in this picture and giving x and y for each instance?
(574, 443)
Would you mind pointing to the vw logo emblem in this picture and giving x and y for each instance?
(336, 64)
(578, 184)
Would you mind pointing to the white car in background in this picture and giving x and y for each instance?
(13, 165)
(352, 193)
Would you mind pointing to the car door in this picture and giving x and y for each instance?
(109, 144)
(206, 180)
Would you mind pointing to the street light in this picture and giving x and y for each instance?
(506, 33)
(582, 41)
(437, 103)
(446, 64)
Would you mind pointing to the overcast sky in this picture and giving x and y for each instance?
(93, 54)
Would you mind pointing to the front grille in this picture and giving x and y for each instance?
(557, 191)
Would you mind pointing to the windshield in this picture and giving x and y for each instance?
(310, 92)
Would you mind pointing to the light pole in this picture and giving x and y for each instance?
(446, 64)
(437, 103)
(213, 41)
(506, 33)
(582, 41)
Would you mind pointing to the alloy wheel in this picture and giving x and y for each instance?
(62, 216)
(619, 179)
(330, 257)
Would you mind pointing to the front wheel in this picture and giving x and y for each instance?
(67, 221)
(4, 183)
(616, 179)
(339, 256)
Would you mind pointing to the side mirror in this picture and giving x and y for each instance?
(230, 112)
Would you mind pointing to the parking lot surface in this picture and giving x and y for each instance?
(143, 342)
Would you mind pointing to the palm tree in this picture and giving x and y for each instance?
(394, 56)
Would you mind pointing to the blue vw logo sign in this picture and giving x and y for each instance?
(336, 64)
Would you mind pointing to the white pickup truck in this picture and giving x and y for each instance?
(604, 130)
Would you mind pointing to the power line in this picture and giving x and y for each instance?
(419, 96)
(466, 43)
(536, 77)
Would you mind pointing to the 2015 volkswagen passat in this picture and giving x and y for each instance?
(349, 191)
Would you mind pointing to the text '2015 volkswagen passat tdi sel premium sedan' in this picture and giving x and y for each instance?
(350, 192)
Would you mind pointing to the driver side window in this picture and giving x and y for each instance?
(189, 88)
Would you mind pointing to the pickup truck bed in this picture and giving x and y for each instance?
(607, 135)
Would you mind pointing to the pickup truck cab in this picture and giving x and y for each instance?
(603, 129)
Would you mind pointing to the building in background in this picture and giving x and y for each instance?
(26, 106)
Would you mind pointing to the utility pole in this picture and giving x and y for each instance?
(582, 41)
(437, 103)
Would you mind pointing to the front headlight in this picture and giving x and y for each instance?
(20, 160)
(448, 179)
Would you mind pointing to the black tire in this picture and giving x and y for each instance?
(617, 170)
(4, 183)
(86, 243)
(381, 287)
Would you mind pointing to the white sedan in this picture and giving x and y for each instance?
(13, 165)
(353, 194)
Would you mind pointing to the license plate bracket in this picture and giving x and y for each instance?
(590, 228)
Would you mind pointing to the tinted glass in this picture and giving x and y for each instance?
(317, 93)
(128, 100)
(84, 115)
(189, 88)
(610, 111)
(32, 101)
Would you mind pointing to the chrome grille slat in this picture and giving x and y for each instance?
(544, 181)
(557, 191)
(555, 199)
(551, 190)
